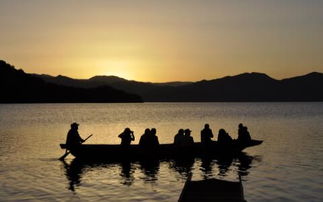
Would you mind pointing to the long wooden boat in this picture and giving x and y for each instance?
(164, 151)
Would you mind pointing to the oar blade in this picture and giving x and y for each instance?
(63, 157)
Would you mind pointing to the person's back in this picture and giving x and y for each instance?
(154, 138)
(248, 137)
(144, 139)
(224, 137)
(149, 141)
(240, 132)
(243, 134)
(179, 137)
(206, 135)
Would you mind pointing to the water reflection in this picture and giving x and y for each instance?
(245, 162)
(150, 170)
(224, 165)
(241, 162)
(73, 172)
(127, 173)
(182, 166)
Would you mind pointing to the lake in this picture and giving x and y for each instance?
(288, 166)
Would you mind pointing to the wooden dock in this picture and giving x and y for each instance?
(212, 190)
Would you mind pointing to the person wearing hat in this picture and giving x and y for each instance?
(188, 139)
(73, 138)
(126, 137)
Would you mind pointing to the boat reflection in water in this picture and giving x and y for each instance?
(127, 173)
(73, 172)
(149, 171)
(240, 162)
(76, 169)
(182, 166)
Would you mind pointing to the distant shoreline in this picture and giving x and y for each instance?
(19, 87)
(158, 102)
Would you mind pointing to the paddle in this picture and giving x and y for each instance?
(68, 152)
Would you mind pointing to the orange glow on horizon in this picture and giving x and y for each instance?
(162, 41)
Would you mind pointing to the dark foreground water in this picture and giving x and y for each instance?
(288, 166)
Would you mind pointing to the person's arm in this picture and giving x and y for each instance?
(79, 137)
(132, 136)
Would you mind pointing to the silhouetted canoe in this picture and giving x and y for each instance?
(118, 152)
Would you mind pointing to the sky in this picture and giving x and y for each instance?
(165, 40)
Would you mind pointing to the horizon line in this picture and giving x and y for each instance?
(161, 82)
(175, 81)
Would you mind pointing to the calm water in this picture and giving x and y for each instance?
(288, 166)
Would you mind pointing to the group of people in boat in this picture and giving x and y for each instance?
(149, 139)
(183, 138)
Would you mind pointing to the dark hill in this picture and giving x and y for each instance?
(252, 87)
(107, 79)
(140, 88)
(18, 87)
(243, 87)
(304, 88)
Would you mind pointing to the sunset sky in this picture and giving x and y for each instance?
(164, 40)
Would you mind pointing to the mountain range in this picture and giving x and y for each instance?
(246, 87)
(18, 87)
(242, 87)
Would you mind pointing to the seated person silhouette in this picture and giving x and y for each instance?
(188, 139)
(154, 137)
(126, 137)
(144, 137)
(243, 134)
(149, 140)
(73, 138)
(206, 135)
(224, 137)
(179, 138)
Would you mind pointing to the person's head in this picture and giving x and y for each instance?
(74, 125)
(240, 126)
(147, 131)
(222, 131)
(127, 130)
(153, 131)
(207, 126)
(187, 132)
(181, 131)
